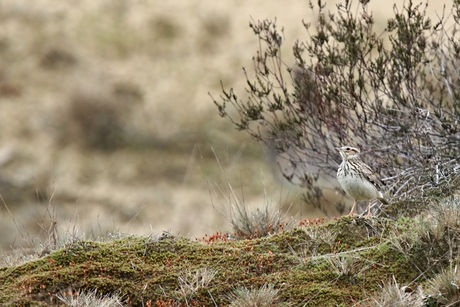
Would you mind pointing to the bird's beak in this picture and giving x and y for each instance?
(338, 148)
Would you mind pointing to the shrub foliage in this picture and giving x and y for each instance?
(394, 93)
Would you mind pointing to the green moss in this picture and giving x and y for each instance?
(145, 269)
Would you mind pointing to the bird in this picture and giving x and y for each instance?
(357, 178)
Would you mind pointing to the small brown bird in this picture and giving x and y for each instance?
(357, 178)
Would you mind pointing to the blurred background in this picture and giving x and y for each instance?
(106, 124)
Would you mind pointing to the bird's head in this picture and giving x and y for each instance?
(348, 152)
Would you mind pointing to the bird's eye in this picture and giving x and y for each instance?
(347, 149)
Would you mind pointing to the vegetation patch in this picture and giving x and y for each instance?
(150, 271)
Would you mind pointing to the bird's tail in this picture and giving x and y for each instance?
(383, 200)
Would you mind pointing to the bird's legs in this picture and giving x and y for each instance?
(352, 209)
(369, 214)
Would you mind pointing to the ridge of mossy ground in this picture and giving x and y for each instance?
(147, 270)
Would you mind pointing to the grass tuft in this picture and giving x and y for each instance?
(89, 299)
(250, 223)
(445, 287)
(191, 282)
(265, 296)
(347, 267)
(393, 295)
(256, 223)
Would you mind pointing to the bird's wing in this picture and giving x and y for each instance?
(371, 176)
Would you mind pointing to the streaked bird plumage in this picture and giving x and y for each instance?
(357, 178)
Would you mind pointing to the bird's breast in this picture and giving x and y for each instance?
(358, 188)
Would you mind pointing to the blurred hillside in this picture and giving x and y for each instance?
(106, 123)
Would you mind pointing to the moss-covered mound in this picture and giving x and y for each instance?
(336, 264)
